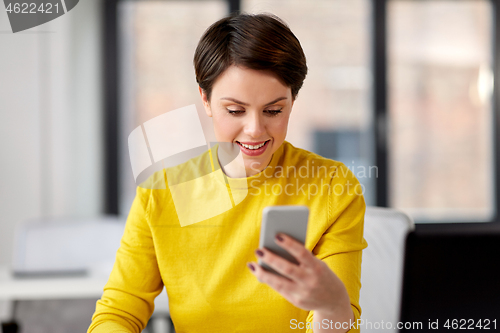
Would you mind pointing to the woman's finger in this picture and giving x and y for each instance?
(281, 284)
(296, 249)
(281, 265)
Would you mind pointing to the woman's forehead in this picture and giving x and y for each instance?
(241, 84)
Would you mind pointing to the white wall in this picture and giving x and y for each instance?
(51, 145)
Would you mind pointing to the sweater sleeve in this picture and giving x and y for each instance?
(128, 299)
(342, 243)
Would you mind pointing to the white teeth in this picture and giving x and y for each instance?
(253, 147)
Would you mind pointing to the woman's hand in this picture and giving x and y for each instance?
(310, 285)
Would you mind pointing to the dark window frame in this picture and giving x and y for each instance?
(110, 114)
(379, 104)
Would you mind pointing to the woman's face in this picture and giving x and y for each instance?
(250, 107)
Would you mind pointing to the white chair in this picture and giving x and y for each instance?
(66, 245)
(382, 266)
(66, 258)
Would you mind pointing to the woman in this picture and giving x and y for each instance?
(250, 69)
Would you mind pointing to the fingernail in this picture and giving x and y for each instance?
(251, 267)
(279, 238)
(259, 253)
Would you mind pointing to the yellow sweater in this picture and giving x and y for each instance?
(203, 264)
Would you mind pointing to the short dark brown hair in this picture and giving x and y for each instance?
(254, 41)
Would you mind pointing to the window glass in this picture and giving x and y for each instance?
(440, 109)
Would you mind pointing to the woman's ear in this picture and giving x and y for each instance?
(206, 104)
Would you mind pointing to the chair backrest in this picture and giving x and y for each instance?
(382, 266)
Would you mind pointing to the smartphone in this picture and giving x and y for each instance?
(290, 220)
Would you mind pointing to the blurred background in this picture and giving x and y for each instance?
(401, 91)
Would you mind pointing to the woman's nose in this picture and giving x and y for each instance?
(255, 126)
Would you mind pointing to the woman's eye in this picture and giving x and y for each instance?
(270, 112)
(234, 111)
(274, 112)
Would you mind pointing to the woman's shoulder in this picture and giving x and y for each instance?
(302, 158)
(307, 164)
(178, 172)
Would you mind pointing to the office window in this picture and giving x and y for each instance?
(157, 44)
(441, 162)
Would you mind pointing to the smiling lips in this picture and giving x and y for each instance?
(253, 148)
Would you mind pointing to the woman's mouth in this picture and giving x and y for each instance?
(253, 150)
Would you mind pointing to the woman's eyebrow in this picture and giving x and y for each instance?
(242, 103)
